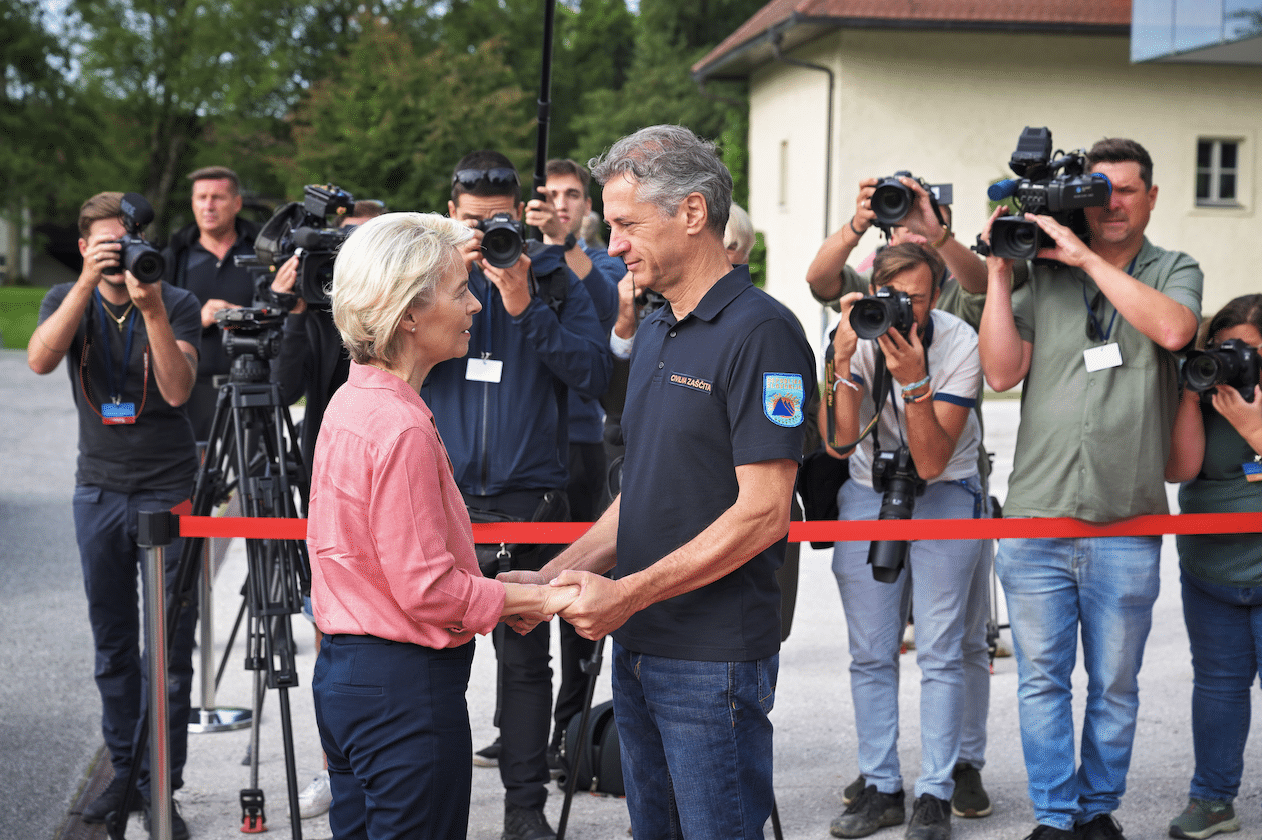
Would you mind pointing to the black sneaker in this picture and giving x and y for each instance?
(1100, 827)
(853, 790)
(970, 798)
(488, 756)
(526, 824)
(869, 811)
(179, 829)
(930, 819)
(1047, 832)
(110, 800)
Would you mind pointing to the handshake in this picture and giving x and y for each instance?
(588, 601)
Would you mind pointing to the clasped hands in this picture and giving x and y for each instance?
(589, 601)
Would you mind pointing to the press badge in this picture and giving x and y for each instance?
(484, 370)
(114, 414)
(1104, 356)
(1252, 470)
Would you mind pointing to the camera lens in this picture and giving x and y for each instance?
(1201, 371)
(891, 202)
(148, 266)
(1014, 238)
(887, 558)
(501, 246)
(870, 318)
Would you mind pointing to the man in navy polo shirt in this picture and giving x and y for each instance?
(713, 427)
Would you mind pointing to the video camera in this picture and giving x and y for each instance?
(144, 261)
(875, 315)
(892, 200)
(894, 474)
(1234, 363)
(503, 240)
(1045, 184)
(303, 229)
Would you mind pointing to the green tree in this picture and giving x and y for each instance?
(391, 123)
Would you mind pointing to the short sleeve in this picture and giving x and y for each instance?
(767, 391)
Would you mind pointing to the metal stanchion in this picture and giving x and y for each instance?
(155, 533)
(208, 717)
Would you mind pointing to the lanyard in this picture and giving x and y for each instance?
(488, 317)
(1101, 333)
(115, 377)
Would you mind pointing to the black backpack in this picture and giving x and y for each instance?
(593, 756)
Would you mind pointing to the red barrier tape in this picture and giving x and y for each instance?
(889, 529)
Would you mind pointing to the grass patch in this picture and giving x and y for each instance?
(19, 313)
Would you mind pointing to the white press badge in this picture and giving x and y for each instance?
(484, 370)
(1105, 356)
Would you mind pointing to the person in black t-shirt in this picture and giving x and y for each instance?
(132, 353)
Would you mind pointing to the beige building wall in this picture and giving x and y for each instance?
(949, 106)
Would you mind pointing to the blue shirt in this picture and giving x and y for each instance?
(587, 418)
(726, 386)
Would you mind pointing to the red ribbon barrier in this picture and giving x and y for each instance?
(889, 529)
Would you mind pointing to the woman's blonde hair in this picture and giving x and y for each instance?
(384, 266)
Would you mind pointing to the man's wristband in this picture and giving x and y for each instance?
(847, 381)
(913, 386)
(853, 229)
(910, 399)
(946, 234)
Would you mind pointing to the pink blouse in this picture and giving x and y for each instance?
(388, 532)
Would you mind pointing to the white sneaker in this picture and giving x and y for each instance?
(316, 797)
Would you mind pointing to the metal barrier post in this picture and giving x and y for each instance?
(155, 532)
(208, 717)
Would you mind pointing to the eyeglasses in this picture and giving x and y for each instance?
(500, 176)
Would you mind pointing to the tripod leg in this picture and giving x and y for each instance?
(592, 667)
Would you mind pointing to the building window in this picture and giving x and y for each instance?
(1217, 171)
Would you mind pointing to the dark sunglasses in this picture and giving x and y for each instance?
(500, 176)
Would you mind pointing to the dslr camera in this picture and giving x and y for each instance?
(875, 315)
(302, 228)
(1047, 184)
(892, 200)
(144, 261)
(894, 474)
(1234, 363)
(503, 240)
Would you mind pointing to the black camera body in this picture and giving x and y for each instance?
(144, 261)
(894, 474)
(892, 200)
(303, 229)
(875, 315)
(1234, 362)
(503, 240)
(1048, 184)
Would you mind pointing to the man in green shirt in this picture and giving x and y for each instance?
(1092, 336)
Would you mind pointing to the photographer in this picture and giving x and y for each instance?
(131, 351)
(1093, 337)
(1214, 449)
(933, 375)
(199, 258)
(502, 412)
(830, 278)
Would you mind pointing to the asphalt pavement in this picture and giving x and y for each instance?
(49, 709)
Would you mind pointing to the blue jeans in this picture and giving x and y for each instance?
(1225, 630)
(1106, 586)
(105, 527)
(940, 577)
(395, 727)
(696, 745)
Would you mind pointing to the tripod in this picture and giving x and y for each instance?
(252, 449)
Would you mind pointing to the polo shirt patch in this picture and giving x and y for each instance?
(692, 382)
(782, 395)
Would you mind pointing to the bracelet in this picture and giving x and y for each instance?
(946, 234)
(913, 386)
(856, 231)
(848, 382)
(909, 399)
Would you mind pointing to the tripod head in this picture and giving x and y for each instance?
(251, 338)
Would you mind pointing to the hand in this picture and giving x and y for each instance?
(628, 311)
(471, 249)
(993, 263)
(541, 214)
(101, 253)
(921, 219)
(601, 606)
(904, 357)
(1068, 248)
(146, 296)
(864, 217)
(845, 340)
(1245, 417)
(285, 280)
(513, 283)
(210, 307)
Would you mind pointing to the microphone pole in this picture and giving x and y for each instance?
(545, 107)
